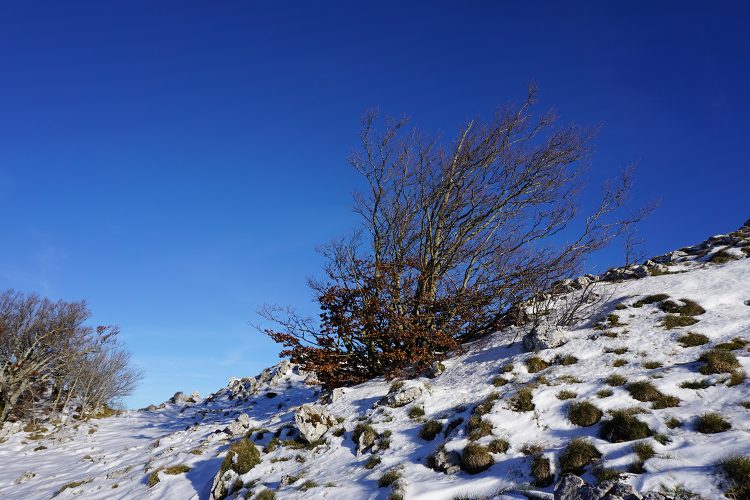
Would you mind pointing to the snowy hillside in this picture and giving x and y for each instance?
(498, 421)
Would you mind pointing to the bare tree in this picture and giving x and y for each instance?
(454, 233)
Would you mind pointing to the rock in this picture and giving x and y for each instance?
(286, 480)
(178, 398)
(152, 408)
(674, 256)
(240, 425)
(544, 336)
(336, 394)
(222, 484)
(572, 487)
(436, 369)
(445, 461)
(242, 387)
(313, 422)
(25, 477)
(404, 395)
(195, 397)
(119, 472)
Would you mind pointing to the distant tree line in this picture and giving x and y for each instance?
(53, 364)
(452, 234)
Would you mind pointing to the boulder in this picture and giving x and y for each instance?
(544, 336)
(403, 395)
(445, 461)
(572, 487)
(222, 484)
(435, 369)
(242, 387)
(313, 422)
(178, 398)
(240, 425)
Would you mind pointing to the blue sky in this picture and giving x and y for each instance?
(176, 163)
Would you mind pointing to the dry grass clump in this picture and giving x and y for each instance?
(266, 495)
(541, 469)
(579, 453)
(711, 423)
(76, 484)
(644, 451)
(241, 457)
(615, 380)
(624, 426)
(432, 428)
(652, 365)
(673, 423)
(688, 308)
(373, 462)
(738, 376)
(498, 446)
(722, 257)
(671, 321)
(367, 434)
(619, 362)
(499, 381)
(584, 413)
(478, 428)
(416, 411)
(646, 391)
(564, 394)
(567, 359)
(604, 393)
(536, 364)
(737, 470)
(695, 384)
(692, 339)
(733, 345)
(523, 400)
(389, 477)
(718, 361)
(476, 458)
(651, 299)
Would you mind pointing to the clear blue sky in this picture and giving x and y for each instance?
(176, 163)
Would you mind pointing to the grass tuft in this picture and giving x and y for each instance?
(579, 453)
(692, 339)
(718, 361)
(671, 321)
(563, 395)
(711, 423)
(523, 400)
(584, 413)
(432, 428)
(737, 470)
(476, 458)
(624, 426)
(536, 364)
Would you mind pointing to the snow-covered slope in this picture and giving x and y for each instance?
(115, 457)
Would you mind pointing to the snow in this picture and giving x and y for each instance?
(134, 444)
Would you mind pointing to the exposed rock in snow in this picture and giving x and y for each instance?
(445, 461)
(222, 484)
(404, 394)
(436, 368)
(313, 422)
(544, 336)
(240, 425)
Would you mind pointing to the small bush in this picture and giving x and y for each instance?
(476, 458)
(584, 413)
(712, 423)
(373, 462)
(523, 400)
(563, 395)
(651, 299)
(619, 362)
(718, 361)
(416, 411)
(671, 321)
(536, 364)
(241, 457)
(579, 453)
(567, 360)
(615, 380)
(498, 446)
(692, 339)
(499, 381)
(431, 429)
(541, 469)
(624, 426)
(737, 470)
(389, 478)
(652, 365)
(604, 393)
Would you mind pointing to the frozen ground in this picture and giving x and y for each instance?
(114, 457)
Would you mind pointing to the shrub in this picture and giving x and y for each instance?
(718, 361)
(373, 462)
(619, 362)
(499, 381)
(671, 321)
(584, 413)
(389, 477)
(241, 457)
(652, 365)
(604, 393)
(498, 446)
(579, 453)
(737, 470)
(541, 469)
(563, 395)
(416, 411)
(476, 458)
(615, 380)
(567, 359)
(712, 423)
(692, 339)
(624, 426)
(523, 400)
(651, 299)
(431, 429)
(535, 364)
